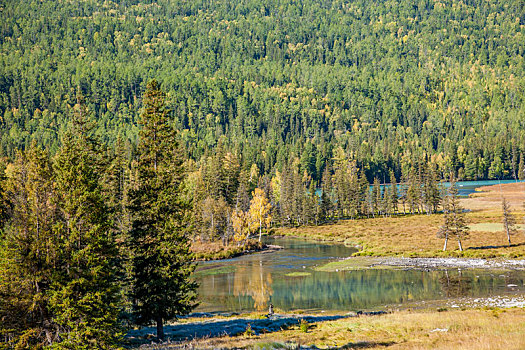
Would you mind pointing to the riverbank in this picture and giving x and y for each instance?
(415, 235)
(217, 251)
(361, 262)
(482, 328)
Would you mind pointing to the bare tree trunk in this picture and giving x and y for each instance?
(508, 232)
(459, 243)
(260, 229)
(160, 329)
(446, 241)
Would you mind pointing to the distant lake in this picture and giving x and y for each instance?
(467, 187)
(464, 187)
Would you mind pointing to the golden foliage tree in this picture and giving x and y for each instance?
(259, 211)
(240, 223)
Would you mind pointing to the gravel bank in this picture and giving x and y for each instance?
(447, 263)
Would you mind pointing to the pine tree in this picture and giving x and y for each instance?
(521, 168)
(413, 192)
(84, 298)
(376, 197)
(509, 221)
(394, 193)
(325, 203)
(364, 193)
(161, 262)
(432, 193)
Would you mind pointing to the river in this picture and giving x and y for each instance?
(287, 278)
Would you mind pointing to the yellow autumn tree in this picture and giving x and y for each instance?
(240, 224)
(259, 212)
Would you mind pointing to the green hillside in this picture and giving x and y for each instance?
(386, 82)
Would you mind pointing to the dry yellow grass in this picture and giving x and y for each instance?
(215, 250)
(416, 235)
(469, 329)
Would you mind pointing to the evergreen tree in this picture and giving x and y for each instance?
(521, 168)
(161, 266)
(394, 192)
(325, 203)
(376, 197)
(412, 193)
(432, 193)
(84, 297)
(4, 200)
(364, 194)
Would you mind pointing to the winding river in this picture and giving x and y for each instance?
(287, 278)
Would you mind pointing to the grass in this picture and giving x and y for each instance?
(493, 227)
(415, 236)
(298, 274)
(203, 251)
(215, 271)
(427, 329)
(358, 263)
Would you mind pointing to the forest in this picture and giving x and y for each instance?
(386, 83)
(130, 130)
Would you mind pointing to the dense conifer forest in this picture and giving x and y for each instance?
(383, 82)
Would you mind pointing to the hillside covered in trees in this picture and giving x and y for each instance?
(386, 84)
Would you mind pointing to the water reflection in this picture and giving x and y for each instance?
(455, 286)
(255, 282)
(286, 279)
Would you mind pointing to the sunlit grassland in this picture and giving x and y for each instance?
(215, 250)
(429, 329)
(415, 235)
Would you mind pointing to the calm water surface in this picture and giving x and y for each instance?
(253, 281)
(467, 187)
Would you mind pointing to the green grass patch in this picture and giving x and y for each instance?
(298, 274)
(354, 263)
(215, 271)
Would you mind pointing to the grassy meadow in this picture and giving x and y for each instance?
(489, 328)
(415, 235)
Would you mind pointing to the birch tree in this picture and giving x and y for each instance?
(259, 211)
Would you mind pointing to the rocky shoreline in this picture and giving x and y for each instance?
(448, 263)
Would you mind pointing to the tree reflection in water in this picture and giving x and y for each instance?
(252, 280)
(455, 286)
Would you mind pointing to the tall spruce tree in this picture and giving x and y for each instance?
(161, 261)
(84, 297)
(4, 200)
(394, 192)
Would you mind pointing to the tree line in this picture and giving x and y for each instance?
(230, 202)
(94, 238)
